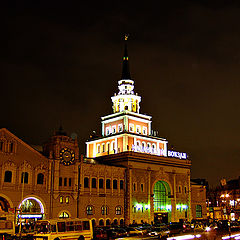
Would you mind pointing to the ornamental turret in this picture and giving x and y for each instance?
(126, 99)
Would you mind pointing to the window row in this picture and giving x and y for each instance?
(108, 183)
(138, 129)
(7, 146)
(182, 190)
(67, 199)
(65, 182)
(106, 147)
(141, 187)
(104, 210)
(114, 129)
(24, 177)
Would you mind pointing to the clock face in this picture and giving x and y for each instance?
(67, 156)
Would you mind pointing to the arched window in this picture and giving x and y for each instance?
(179, 189)
(113, 145)
(11, 147)
(154, 148)
(65, 182)
(1, 146)
(108, 147)
(8, 176)
(103, 147)
(185, 189)
(98, 148)
(100, 183)
(121, 184)
(115, 222)
(86, 182)
(101, 222)
(114, 184)
(94, 183)
(63, 215)
(108, 222)
(198, 211)
(108, 184)
(61, 199)
(118, 210)
(24, 177)
(40, 178)
(67, 199)
(89, 210)
(121, 222)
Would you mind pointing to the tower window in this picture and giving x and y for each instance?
(67, 200)
(118, 210)
(69, 182)
(179, 189)
(142, 187)
(60, 181)
(103, 147)
(134, 187)
(11, 147)
(8, 176)
(1, 146)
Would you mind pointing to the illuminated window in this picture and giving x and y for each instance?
(103, 147)
(107, 131)
(198, 211)
(108, 184)
(131, 127)
(94, 183)
(8, 176)
(108, 147)
(118, 210)
(98, 148)
(114, 184)
(40, 178)
(154, 147)
(144, 130)
(86, 182)
(120, 128)
(61, 199)
(100, 183)
(24, 177)
(121, 184)
(104, 210)
(138, 129)
(62, 215)
(89, 210)
(67, 200)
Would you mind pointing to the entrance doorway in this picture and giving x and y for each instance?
(160, 218)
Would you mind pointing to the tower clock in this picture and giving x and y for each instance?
(67, 156)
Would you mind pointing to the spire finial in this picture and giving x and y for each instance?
(125, 65)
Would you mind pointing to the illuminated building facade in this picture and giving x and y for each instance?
(128, 175)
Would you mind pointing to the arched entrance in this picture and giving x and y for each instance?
(4, 204)
(162, 202)
(30, 208)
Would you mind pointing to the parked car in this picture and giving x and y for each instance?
(176, 228)
(160, 232)
(119, 232)
(134, 231)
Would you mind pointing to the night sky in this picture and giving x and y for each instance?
(60, 62)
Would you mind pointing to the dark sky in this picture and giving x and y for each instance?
(60, 62)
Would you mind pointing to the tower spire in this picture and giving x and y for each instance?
(125, 64)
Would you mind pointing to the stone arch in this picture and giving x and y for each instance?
(6, 201)
(163, 180)
(39, 200)
(162, 192)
